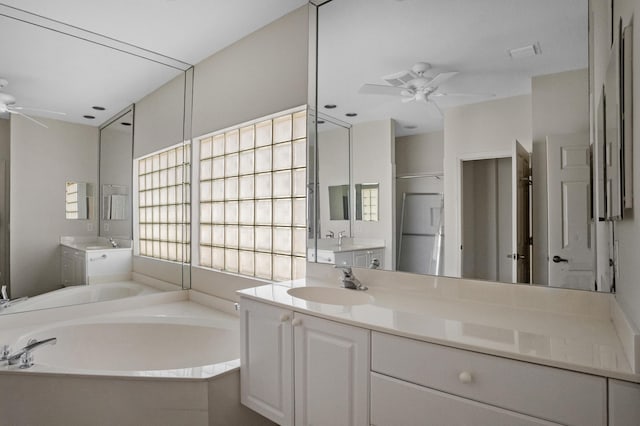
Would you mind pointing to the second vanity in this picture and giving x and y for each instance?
(87, 260)
(434, 351)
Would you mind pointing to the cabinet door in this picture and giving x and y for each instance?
(344, 258)
(361, 259)
(331, 373)
(624, 403)
(266, 359)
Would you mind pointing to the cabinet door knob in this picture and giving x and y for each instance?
(465, 377)
(284, 317)
(296, 321)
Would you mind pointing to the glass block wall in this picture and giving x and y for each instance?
(253, 198)
(164, 210)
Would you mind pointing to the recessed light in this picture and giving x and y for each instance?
(89, 117)
(351, 114)
(126, 123)
(98, 108)
(330, 106)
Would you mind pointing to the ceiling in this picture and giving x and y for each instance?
(71, 55)
(362, 40)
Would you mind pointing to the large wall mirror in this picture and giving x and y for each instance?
(77, 124)
(472, 120)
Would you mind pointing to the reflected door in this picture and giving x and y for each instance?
(521, 229)
(570, 255)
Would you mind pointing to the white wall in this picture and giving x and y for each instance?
(373, 161)
(42, 161)
(159, 118)
(481, 130)
(628, 231)
(560, 105)
(261, 74)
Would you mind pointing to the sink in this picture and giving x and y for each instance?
(331, 295)
(98, 247)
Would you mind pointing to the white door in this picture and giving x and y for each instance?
(331, 373)
(520, 172)
(570, 255)
(266, 360)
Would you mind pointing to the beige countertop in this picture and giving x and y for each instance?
(571, 330)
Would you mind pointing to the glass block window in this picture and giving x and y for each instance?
(370, 202)
(71, 200)
(164, 209)
(253, 198)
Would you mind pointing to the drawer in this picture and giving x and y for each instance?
(394, 402)
(544, 392)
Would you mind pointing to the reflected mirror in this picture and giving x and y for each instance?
(78, 200)
(69, 85)
(339, 202)
(462, 135)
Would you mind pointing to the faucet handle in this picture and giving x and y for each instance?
(4, 292)
(342, 233)
(5, 351)
(346, 270)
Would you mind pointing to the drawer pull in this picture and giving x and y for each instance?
(465, 377)
(284, 317)
(296, 321)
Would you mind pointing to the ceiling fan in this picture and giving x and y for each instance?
(8, 105)
(414, 85)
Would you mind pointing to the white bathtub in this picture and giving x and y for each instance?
(149, 342)
(174, 363)
(80, 294)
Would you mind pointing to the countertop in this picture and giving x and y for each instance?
(487, 319)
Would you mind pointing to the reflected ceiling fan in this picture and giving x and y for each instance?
(415, 85)
(8, 105)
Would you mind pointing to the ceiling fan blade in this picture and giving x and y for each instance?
(441, 78)
(28, 118)
(21, 108)
(377, 89)
(463, 95)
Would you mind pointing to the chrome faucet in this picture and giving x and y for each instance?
(5, 302)
(113, 242)
(330, 234)
(349, 280)
(341, 235)
(25, 356)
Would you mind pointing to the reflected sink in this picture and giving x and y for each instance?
(98, 247)
(331, 295)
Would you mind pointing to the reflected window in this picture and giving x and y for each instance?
(367, 202)
(252, 190)
(164, 210)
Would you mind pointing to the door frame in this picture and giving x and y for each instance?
(470, 156)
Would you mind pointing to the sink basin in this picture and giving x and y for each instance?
(331, 295)
(98, 247)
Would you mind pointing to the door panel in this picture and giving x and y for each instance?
(570, 259)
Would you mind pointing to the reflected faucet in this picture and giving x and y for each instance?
(348, 279)
(24, 356)
(330, 234)
(341, 235)
(113, 242)
(5, 302)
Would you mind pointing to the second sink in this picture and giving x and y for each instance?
(331, 295)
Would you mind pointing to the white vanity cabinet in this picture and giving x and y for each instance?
(416, 383)
(80, 267)
(360, 258)
(331, 367)
(73, 267)
(624, 403)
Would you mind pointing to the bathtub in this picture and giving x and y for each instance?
(174, 363)
(80, 294)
